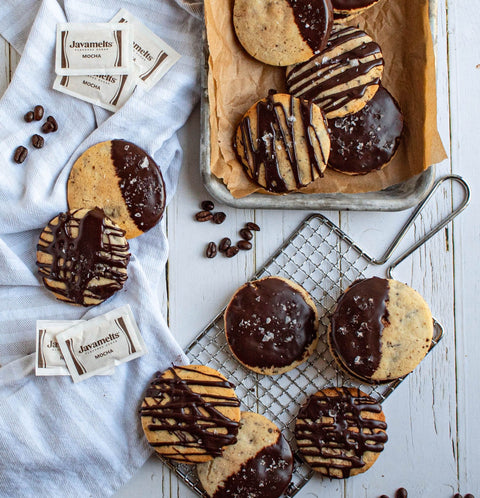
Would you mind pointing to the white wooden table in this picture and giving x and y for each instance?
(434, 436)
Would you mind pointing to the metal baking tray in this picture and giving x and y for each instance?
(395, 198)
(324, 261)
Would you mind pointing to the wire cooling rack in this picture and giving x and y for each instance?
(324, 261)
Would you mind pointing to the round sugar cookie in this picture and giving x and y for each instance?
(258, 465)
(190, 413)
(343, 77)
(367, 140)
(123, 180)
(340, 432)
(380, 330)
(282, 32)
(82, 256)
(271, 325)
(283, 143)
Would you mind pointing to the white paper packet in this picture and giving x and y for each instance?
(93, 48)
(48, 357)
(152, 57)
(107, 91)
(93, 347)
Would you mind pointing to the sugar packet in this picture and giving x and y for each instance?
(152, 57)
(107, 91)
(48, 357)
(93, 48)
(93, 347)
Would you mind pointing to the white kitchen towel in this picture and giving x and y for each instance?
(59, 439)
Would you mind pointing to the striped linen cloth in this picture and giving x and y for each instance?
(59, 439)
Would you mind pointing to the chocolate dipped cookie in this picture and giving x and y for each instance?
(343, 77)
(82, 256)
(190, 413)
(283, 143)
(340, 432)
(367, 140)
(271, 325)
(258, 465)
(282, 32)
(123, 180)
(380, 330)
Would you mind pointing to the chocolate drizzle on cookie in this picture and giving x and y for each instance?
(335, 430)
(357, 324)
(140, 182)
(367, 140)
(341, 73)
(266, 475)
(194, 417)
(314, 20)
(87, 256)
(276, 131)
(269, 324)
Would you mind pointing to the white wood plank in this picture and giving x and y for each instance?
(465, 105)
(4, 65)
(200, 287)
(421, 413)
(14, 60)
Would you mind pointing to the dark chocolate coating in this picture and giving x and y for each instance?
(140, 182)
(193, 417)
(271, 129)
(352, 4)
(269, 324)
(357, 324)
(267, 475)
(77, 262)
(367, 140)
(321, 72)
(314, 19)
(345, 434)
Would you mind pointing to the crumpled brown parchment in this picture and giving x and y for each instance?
(236, 81)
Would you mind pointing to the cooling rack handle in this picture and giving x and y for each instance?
(433, 231)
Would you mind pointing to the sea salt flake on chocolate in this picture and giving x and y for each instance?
(269, 336)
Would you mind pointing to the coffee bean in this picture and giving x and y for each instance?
(231, 251)
(219, 217)
(204, 216)
(401, 493)
(469, 495)
(244, 245)
(52, 120)
(38, 141)
(207, 205)
(48, 127)
(211, 250)
(253, 226)
(384, 496)
(20, 154)
(28, 117)
(38, 112)
(225, 243)
(246, 234)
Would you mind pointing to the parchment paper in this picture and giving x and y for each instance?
(236, 81)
